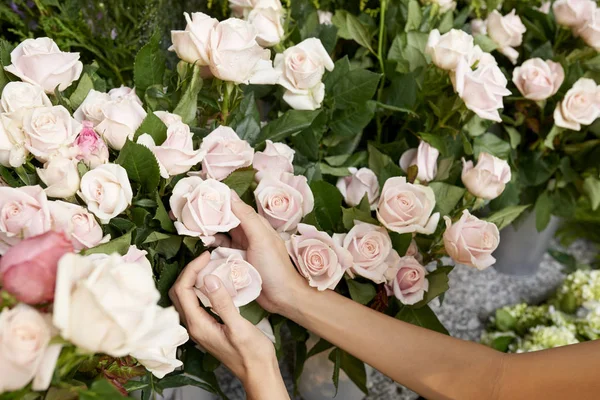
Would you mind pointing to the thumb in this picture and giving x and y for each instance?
(221, 301)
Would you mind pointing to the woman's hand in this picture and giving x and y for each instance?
(238, 344)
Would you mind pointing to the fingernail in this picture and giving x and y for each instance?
(234, 196)
(212, 283)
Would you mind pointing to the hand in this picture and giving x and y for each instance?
(266, 251)
(238, 344)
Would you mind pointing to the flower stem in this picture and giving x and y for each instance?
(381, 65)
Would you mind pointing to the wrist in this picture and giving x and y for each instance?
(263, 380)
(290, 304)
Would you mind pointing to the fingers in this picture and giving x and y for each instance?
(221, 301)
(250, 221)
(182, 293)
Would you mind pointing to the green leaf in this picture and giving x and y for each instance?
(400, 242)
(307, 141)
(293, 121)
(591, 187)
(358, 32)
(352, 366)
(438, 284)
(253, 312)
(162, 216)
(486, 44)
(554, 132)
(101, 390)
(349, 215)
(334, 171)
(193, 364)
(361, 293)
(514, 136)
(382, 165)
(175, 381)
(447, 22)
(408, 49)
(328, 205)
(169, 247)
(188, 103)
(299, 361)
(155, 237)
(119, 245)
(240, 180)
(403, 91)
(476, 126)
(446, 196)
(423, 317)
(168, 276)
(248, 129)
(502, 343)
(413, 22)
(506, 216)
(341, 69)
(351, 121)
(336, 357)
(357, 86)
(492, 144)
(505, 321)
(153, 126)
(83, 88)
(340, 21)
(5, 49)
(149, 66)
(321, 346)
(140, 164)
(543, 211)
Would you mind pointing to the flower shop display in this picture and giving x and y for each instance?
(377, 141)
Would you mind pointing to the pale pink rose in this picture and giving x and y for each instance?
(168, 118)
(48, 130)
(24, 213)
(590, 30)
(284, 200)
(545, 7)
(425, 158)
(19, 95)
(482, 90)
(507, 32)
(92, 107)
(77, 223)
(408, 281)
(26, 353)
(301, 68)
(318, 257)
(537, 79)
(202, 208)
(488, 179)
(124, 93)
(107, 191)
(478, 27)
(370, 247)
(355, 186)
(224, 153)
(448, 49)
(241, 280)
(28, 269)
(91, 149)
(325, 17)
(580, 105)
(191, 45)
(268, 22)
(471, 241)
(573, 13)
(121, 119)
(176, 155)
(276, 158)
(413, 251)
(61, 176)
(235, 55)
(133, 256)
(40, 61)
(444, 5)
(13, 152)
(406, 207)
(241, 8)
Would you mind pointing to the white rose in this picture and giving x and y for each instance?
(507, 31)
(580, 105)
(573, 13)
(448, 49)
(444, 5)
(92, 107)
(85, 311)
(77, 223)
(40, 61)
(300, 70)
(49, 129)
(241, 8)
(590, 30)
(191, 45)
(224, 152)
(18, 95)
(478, 27)
(121, 120)
(275, 158)
(124, 93)
(25, 350)
(13, 152)
(235, 55)
(325, 17)
(168, 118)
(107, 191)
(537, 79)
(488, 178)
(133, 256)
(61, 176)
(425, 158)
(268, 23)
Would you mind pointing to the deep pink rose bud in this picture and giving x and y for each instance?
(91, 148)
(28, 270)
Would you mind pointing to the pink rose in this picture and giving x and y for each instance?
(133, 256)
(488, 179)
(318, 257)
(284, 201)
(537, 79)
(277, 157)
(241, 280)
(413, 251)
(590, 30)
(507, 31)
(91, 149)
(202, 208)
(573, 13)
(425, 158)
(27, 354)
(24, 213)
(355, 186)
(371, 248)
(28, 270)
(78, 224)
(168, 118)
(405, 207)
(471, 241)
(224, 153)
(408, 282)
(580, 105)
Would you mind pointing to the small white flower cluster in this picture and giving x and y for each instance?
(546, 337)
(583, 286)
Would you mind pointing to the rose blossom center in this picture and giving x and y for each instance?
(239, 275)
(279, 202)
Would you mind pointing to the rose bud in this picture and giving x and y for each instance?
(407, 280)
(488, 179)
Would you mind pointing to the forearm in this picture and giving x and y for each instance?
(434, 365)
(264, 382)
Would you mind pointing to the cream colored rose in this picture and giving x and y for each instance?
(275, 158)
(361, 182)
(408, 282)
(107, 191)
(573, 13)
(284, 200)
(202, 208)
(405, 207)
(92, 107)
(268, 22)
(191, 45)
(168, 118)
(25, 213)
(425, 158)
(580, 105)
(590, 30)
(300, 70)
(40, 61)
(224, 152)
(133, 256)
(124, 93)
(444, 5)
(13, 152)
(241, 8)
(507, 32)
(537, 79)
(19, 95)
(448, 49)
(488, 178)
(121, 120)
(325, 17)
(478, 27)
(471, 241)
(61, 176)
(25, 351)
(85, 311)
(77, 223)
(48, 130)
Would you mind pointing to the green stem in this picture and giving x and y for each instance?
(225, 105)
(381, 65)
